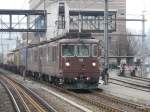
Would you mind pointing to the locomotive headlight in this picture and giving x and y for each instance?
(75, 78)
(93, 64)
(67, 64)
(88, 78)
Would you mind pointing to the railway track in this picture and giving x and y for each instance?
(7, 93)
(29, 100)
(138, 78)
(107, 103)
(101, 106)
(122, 103)
(96, 98)
(58, 108)
(130, 84)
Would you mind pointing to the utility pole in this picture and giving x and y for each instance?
(44, 4)
(26, 63)
(2, 43)
(143, 42)
(106, 53)
(2, 50)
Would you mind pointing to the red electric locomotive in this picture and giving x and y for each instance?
(73, 62)
(79, 63)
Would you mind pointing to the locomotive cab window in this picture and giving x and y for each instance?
(83, 50)
(95, 50)
(68, 50)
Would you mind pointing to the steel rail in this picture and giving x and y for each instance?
(19, 95)
(93, 102)
(35, 104)
(11, 96)
(137, 78)
(101, 105)
(25, 105)
(33, 94)
(41, 99)
(129, 86)
(134, 84)
(105, 106)
(117, 100)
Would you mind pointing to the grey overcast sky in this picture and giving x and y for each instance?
(13, 4)
(134, 6)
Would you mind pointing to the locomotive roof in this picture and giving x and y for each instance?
(67, 38)
(78, 40)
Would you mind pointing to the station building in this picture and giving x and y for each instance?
(70, 16)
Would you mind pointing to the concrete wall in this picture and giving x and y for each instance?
(52, 9)
(52, 17)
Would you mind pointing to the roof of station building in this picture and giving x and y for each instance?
(85, 4)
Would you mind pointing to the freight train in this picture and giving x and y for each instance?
(73, 63)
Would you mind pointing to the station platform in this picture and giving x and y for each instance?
(131, 94)
(147, 75)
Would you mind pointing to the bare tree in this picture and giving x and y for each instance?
(126, 46)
